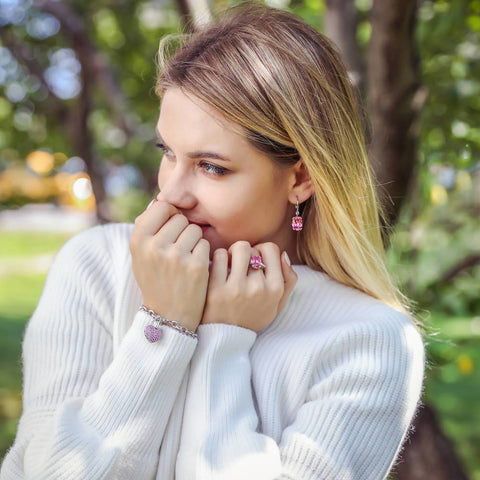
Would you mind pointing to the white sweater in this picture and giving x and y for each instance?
(327, 391)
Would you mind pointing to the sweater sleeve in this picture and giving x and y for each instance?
(356, 413)
(87, 414)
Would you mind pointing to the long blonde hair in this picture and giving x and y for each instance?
(285, 86)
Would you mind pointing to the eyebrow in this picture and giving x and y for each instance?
(194, 155)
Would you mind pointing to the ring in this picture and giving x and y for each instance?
(256, 262)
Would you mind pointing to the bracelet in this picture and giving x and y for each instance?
(152, 330)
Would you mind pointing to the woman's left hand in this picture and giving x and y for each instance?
(246, 297)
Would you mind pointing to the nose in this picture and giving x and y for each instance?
(175, 188)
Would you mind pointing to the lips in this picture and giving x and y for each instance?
(197, 222)
(203, 226)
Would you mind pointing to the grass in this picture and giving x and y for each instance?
(24, 245)
(20, 294)
(453, 384)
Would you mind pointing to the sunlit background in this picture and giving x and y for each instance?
(77, 117)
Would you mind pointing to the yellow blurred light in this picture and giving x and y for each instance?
(438, 195)
(63, 181)
(60, 158)
(463, 181)
(465, 364)
(40, 161)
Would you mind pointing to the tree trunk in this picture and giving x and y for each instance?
(394, 98)
(341, 22)
(429, 453)
(193, 13)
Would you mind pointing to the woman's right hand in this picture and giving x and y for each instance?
(170, 261)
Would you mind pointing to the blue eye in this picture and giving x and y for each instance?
(213, 169)
(209, 168)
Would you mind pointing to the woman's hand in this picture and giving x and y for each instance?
(170, 261)
(245, 297)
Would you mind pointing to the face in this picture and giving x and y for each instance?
(218, 180)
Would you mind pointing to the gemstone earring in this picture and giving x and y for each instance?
(297, 220)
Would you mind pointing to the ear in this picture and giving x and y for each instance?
(301, 186)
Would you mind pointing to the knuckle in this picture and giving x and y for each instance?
(241, 245)
(133, 243)
(204, 243)
(236, 292)
(195, 229)
(138, 221)
(197, 266)
(257, 289)
(272, 246)
(277, 291)
(179, 219)
(174, 254)
(220, 254)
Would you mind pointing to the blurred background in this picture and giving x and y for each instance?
(77, 147)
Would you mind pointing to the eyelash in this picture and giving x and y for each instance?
(209, 167)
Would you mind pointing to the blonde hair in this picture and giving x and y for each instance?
(286, 87)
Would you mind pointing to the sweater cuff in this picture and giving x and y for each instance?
(220, 336)
(142, 382)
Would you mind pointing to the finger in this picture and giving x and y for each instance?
(202, 249)
(270, 254)
(154, 217)
(290, 281)
(172, 229)
(189, 237)
(219, 271)
(240, 253)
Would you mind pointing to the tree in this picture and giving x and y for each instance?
(107, 49)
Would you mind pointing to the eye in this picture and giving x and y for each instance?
(213, 169)
(165, 150)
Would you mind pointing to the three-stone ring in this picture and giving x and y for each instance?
(256, 262)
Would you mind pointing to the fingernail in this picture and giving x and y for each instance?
(287, 258)
(150, 204)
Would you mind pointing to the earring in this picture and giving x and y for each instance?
(297, 220)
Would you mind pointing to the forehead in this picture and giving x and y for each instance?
(191, 114)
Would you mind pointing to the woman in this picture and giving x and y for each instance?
(246, 325)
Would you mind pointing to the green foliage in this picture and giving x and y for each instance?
(424, 248)
(449, 42)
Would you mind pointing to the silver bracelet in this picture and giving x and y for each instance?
(152, 330)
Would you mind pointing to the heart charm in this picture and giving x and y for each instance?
(152, 334)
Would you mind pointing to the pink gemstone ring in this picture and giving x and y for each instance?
(256, 262)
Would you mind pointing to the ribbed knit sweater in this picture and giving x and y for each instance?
(326, 391)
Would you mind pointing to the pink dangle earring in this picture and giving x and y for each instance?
(297, 220)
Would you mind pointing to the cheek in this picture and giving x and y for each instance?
(247, 213)
(163, 174)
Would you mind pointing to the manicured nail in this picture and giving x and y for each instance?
(287, 258)
(150, 204)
